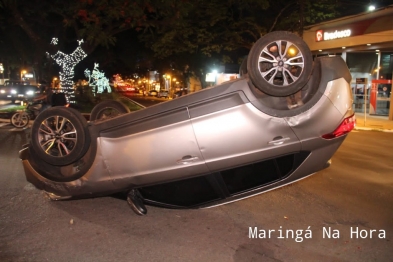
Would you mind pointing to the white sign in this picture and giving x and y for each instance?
(323, 36)
(337, 34)
(210, 77)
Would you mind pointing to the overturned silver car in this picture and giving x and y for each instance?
(280, 122)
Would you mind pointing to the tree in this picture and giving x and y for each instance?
(205, 27)
(294, 15)
(199, 33)
(219, 32)
(95, 21)
(179, 31)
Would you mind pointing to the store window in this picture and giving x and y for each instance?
(386, 65)
(366, 68)
(362, 64)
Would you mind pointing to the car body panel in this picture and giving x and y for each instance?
(316, 161)
(340, 97)
(246, 122)
(327, 113)
(96, 179)
(149, 159)
(206, 135)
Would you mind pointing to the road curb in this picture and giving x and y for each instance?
(373, 129)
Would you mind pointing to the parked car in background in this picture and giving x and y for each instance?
(152, 93)
(163, 93)
(280, 122)
(158, 93)
(179, 93)
(18, 92)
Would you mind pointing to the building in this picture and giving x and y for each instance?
(365, 42)
(223, 74)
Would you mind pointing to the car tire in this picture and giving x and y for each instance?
(20, 119)
(279, 64)
(108, 109)
(59, 136)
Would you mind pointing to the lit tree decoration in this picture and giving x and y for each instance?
(97, 80)
(54, 41)
(67, 62)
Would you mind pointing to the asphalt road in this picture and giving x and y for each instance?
(354, 195)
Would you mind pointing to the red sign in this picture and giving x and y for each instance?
(368, 26)
(319, 35)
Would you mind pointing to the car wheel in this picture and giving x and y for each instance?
(108, 109)
(20, 119)
(59, 136)
(279, 63)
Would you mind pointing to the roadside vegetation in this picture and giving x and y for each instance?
(12, 109)
(85, 102)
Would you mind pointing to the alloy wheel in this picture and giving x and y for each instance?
(57, 136)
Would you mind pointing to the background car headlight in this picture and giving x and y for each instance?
(2, 91)
(13, 91)
(30, 93)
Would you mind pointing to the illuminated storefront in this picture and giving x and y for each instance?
(365, 42)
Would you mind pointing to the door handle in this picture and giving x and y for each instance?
(187, 159)
(278, 140)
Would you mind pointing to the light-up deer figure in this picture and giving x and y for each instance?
(97, 80)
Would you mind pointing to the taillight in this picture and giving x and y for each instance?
(345, 127)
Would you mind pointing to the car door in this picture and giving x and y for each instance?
(231, 132)
(158, 148)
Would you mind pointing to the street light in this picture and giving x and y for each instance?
(169, 81)
(215, 72)
(174, 80)
(2, 73)
(54, 82)
(22, 73)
